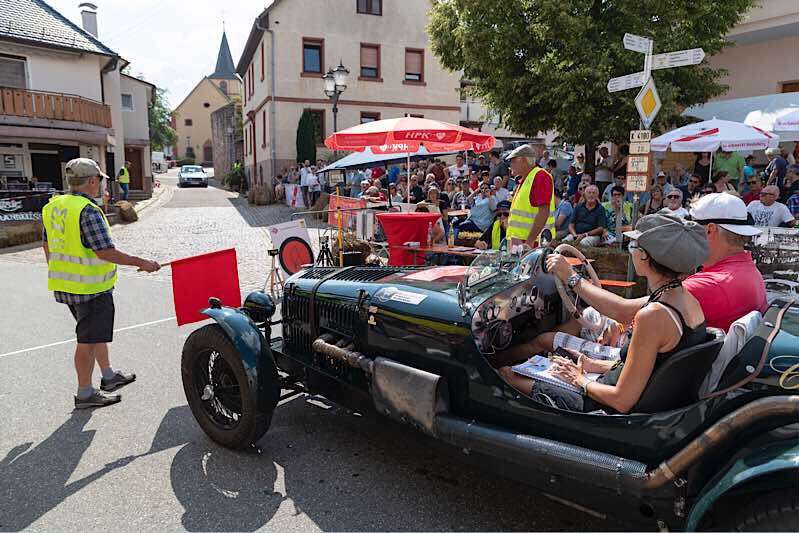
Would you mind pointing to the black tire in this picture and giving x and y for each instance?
(231, 418)
(774, 511)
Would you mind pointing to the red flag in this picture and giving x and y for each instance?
(195, 279)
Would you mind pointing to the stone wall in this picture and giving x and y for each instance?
(224, 141)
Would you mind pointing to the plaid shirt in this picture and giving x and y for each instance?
(94, 234)
(793, 204)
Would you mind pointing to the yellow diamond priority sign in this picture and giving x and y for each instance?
(648, 103)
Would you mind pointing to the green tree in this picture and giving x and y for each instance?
(545, 64)
(161, 131)
(306, 137)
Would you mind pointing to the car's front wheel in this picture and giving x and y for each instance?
(219, 393)
(774, 511)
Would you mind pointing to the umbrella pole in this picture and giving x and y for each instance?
(710, 169)
(408, 184)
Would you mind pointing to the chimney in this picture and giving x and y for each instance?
(88, 13)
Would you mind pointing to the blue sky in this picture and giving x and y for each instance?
(171, 43)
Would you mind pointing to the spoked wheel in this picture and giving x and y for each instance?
(219, 393)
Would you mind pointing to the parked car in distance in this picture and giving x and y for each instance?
(192, 175)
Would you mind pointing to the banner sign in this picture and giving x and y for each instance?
(19, 205)
(343, 202)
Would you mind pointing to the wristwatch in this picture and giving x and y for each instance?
(584, 387)
(573, 280)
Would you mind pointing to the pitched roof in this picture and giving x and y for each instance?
(208, 79)
(35, 22)
(224, 63)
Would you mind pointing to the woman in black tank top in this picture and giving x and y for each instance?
(671, 321)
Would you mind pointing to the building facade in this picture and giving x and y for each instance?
(293, 43)
(63, 95)
(763, 58)
(226, 135)
(192, 118)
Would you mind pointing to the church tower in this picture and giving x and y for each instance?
(224, 75)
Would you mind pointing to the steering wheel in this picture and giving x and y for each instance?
(569, 298)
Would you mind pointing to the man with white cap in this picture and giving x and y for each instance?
(533, 204)
(728, 287)
(81, 261)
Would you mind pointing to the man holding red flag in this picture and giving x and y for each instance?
(81, 261)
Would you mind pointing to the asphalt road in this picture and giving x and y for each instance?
(144, 464)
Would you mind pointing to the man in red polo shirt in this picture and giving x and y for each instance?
(729, 285)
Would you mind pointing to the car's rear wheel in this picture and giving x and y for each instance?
(774, 511)
(218, 391)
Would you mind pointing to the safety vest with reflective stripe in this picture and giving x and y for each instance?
(124, 175)
(72, 267)
(522, 214)
(496, 235)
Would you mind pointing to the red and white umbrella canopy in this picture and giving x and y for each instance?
(710, 135)
(407, 134)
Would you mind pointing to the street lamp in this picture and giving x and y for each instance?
(335, 84)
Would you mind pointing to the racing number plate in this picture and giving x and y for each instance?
(638, 164)
(637, 182)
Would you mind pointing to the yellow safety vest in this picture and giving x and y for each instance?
(496, 235)
(124, 176)
(522, 214)
(72, 267)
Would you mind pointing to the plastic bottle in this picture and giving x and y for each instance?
(429, 234)
(451, 238)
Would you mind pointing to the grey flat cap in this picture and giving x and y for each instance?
(671, 241)
(523, 151)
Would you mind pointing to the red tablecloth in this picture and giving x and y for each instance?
(405, 227)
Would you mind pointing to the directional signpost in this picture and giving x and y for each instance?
(648, 104)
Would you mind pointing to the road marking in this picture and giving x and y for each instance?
(127, 328)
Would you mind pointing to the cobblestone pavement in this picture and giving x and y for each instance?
(186, 222)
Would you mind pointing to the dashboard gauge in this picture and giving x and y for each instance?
(513, 301)
(502, 335)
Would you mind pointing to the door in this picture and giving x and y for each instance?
(47, 168)
(133, 155)
(208, 154)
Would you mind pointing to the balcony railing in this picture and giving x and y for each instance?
(53, 106)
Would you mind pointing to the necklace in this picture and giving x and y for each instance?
(657, 293)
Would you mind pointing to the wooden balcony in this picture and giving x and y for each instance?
(53, 106)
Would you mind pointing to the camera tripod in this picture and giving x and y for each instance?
(275, 279)
(325, 258)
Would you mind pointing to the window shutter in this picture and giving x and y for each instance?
(413, 62)
(369, 57)
(12, 73)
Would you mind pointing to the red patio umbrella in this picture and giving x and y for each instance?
(405, 135)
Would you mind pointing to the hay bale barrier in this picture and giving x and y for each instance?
(18, 233)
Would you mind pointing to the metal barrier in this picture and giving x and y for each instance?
(361, 226)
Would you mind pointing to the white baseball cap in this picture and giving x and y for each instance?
(727, 211)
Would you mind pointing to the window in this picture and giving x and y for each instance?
(263, 69)
(206, 105)
(188, 122)
(313, 56)
(319, 124)
(12, 72)
(127, 102)
(414, 66)
(244, 92)
(787, 86)
(369, 117)
(263, 122)
(370, 61)
(223, 86)
(415, 116)
(370, 7)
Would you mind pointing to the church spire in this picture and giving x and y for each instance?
(225, 70)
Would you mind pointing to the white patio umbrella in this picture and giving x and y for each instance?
(788, 120)
(710, 135)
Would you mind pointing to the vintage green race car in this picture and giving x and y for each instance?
(420, 346)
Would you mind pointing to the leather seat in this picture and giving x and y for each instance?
(677, 381)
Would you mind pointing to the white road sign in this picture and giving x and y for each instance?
(639, 148)
(637, 182)
(638, 164)
(622, 83)
(683, 58)
(636, 43)
(637, 136)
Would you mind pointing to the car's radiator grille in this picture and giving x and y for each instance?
(362, 274)
(333, 317)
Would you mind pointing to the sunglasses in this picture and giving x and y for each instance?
(504, 214)
(673, 197)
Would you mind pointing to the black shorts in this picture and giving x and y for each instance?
(95, 319)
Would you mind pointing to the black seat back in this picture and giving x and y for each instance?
(676, 382)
